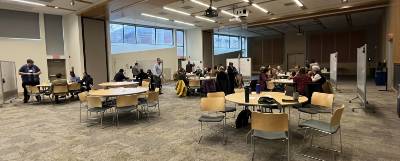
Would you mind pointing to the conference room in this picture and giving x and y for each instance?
(189, 80)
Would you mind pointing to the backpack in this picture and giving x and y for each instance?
(243, 118)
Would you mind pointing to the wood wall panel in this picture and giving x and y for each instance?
(255, 52)
(267, 55)
(265, 51)
(278, 47)
(328, 46)
(357, 39)
(314, 46)
(342, 46)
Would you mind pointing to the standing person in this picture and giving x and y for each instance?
(73, 77)
(222, 80)
(263, 78)
(189, 67)
(119, 77)
(157, 75)
(30, 76)
(135, 70)
(232, 72)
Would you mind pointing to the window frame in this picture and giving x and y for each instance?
(183, 40)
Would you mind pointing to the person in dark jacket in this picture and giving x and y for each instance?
(119, 77)
(232, 73)
(142, 75)
(29, 76)
(189, 67)
(86, 82)
(302, 80)
(263, 78)
(222, 80)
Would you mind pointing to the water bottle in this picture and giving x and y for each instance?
(258, 88)
(247, 94)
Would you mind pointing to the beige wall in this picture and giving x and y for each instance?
(146, 59)
(18, 50)
(73, 44)
(194, 44)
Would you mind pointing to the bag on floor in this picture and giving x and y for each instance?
(243, 118)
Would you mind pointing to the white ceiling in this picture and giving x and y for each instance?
(11, 5)
(279, 8)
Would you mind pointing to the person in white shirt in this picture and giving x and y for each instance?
(317, 78)
(157, 74)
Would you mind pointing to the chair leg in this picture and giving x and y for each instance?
(332, 152)
(201, 131)
(254, 148)
(117, 117)
(80, 112)
(340, 139)
(159, 111)
(288, 149)
(101, 120)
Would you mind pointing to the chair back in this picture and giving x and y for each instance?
(33, 89)
(270, 122)
(270, 85)
(59, 89)
(239, 90)
(322, 99)
(337, 116)
(74, 86)
(157, 90)
(216, 94)
(127, 100)
(94, 102)
(152, 96)
(215, 104)
(194, 82)
(145, 84)
(83, 96)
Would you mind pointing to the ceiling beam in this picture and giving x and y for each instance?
(274, 29)
(256, 32)
(324, 13)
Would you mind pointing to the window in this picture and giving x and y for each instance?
(244, 47)
(180, 43)
(116, 33)
(129, 34)
(164, 37)
(226, 44)
(234, 43)
(145, 35)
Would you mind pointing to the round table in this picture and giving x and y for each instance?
(117, 91)
(117, 84)
(238, 98)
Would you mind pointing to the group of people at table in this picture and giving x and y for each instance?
(30, 77)
(229, 79)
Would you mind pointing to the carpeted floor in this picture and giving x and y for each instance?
(35, 132)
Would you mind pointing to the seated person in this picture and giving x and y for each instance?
(263, 78)
(301, 80)
(58, 82)
(317, 78)
(86, 82)
(182, 76)
(119, 77)
(73, 77)
(142, 75)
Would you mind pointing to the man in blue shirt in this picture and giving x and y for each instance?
(30, 76)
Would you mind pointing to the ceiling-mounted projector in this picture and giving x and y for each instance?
(210, 12)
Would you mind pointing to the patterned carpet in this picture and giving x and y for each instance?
(46, 132)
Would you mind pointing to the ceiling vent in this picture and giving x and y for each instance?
(289, 4)
(47, 1)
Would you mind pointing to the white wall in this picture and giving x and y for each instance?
(146, 59)
(194, 44)
(73, 44)
(18, 50)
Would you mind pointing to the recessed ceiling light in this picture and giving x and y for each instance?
(177, 11)
(298, 2)
(202, 4)
(344, 7)
(153, 16)
(345, 1)
(72, 3)
(29, 2)
(246, 1)
(203, 18)
(228, 13)
(55, 7)
(260, 8)
(185, 23)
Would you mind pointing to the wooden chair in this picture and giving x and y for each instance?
(152, 100)
(74, 88)
(239, 90)
(320, 103)
(222, 95)
(60, 90)
(82, 103)
(325, 128)
(94, 104)
(269, 126)
(212, 105)
(194, 84)
(33, 91)
(145, 83)
(270, 85)
(126, 103)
